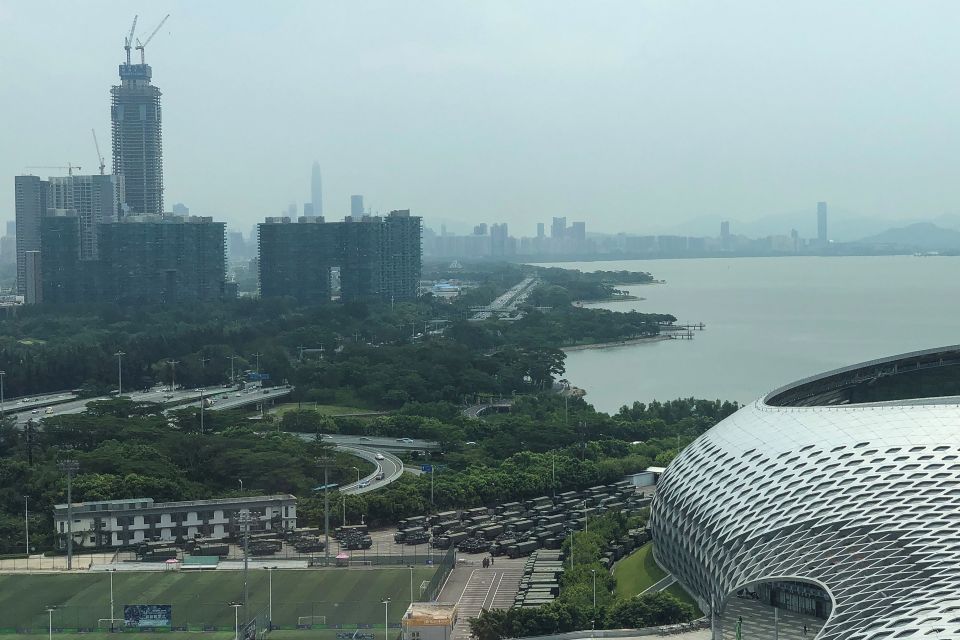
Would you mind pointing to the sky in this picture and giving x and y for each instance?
(635, 116)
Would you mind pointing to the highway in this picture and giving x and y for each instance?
(379, 443)
(391, 466)
(61, 404)
(508, 302)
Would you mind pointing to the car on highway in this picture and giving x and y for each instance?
(35, 411)
(406, 440)
(380, 476)
(363, 484)
(364, 438)
(379, 456)
(239, 395)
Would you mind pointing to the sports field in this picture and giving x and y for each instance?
(201, 600)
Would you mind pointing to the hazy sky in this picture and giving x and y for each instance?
(631, 115)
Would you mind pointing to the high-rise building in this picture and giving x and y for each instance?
(316, 190)
(540, 230)
(480, 229)
(33, 284)
(725, 235)
(375, 257)
(95, 199)
(498, 240)
(30, 203)
(137, 142)
(64, 273)
(558, 229)
(822, 224)
(356, 206)
(308, 209)
(164, 259)
(181, 209)
(578, 233)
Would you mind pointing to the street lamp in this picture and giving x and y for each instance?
(386, 609)
(236, 619)
(358, 474)
(50, 622)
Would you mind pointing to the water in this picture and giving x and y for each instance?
(769, 321)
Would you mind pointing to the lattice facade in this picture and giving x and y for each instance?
(862, 500)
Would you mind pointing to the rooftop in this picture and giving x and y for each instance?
(148, 503)
(428, 614)
(931, 376)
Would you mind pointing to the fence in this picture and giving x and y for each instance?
(444, 567)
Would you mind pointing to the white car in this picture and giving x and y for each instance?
(379, 456)
(364, 483)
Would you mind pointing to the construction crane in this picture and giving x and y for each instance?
(143, 46)
(128, 41)
(99, 155)
(69, 168)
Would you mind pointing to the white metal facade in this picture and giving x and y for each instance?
(861, 500)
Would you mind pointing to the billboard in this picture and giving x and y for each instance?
(147, 615)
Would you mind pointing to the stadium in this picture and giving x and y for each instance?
(833, 502)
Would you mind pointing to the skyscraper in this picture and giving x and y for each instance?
(93, 199)
(558, 228)
(356, 205)
(316, 190)
(137, 146)
(30, 203)
(822, 224)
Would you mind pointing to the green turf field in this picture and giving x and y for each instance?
(342, 596)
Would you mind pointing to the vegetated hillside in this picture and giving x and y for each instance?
(922, 236)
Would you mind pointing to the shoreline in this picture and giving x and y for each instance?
(618, 343)
(585, 303)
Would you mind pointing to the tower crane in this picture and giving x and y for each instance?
(69, 168)
(99, 155)
(143, 46)
(128, 41)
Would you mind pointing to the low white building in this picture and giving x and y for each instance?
(429, 621)
(118, 523)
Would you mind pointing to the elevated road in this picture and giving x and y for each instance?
(391, 467)
(181, 397)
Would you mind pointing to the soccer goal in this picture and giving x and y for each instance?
(302, 620)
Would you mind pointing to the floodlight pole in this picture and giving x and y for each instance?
(69, 467)
(325, 462)
(26, 522)
(386, 624)
(111, 598)
(50, 622)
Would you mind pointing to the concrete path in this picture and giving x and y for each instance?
(758, 622)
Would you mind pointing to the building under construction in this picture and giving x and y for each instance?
(378, 257)
(135, 117)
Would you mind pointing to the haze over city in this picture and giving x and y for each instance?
(636, 116)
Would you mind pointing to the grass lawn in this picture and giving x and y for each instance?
(344, 596)
(681, 594)
(637, 571)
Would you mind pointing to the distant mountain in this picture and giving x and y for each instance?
(922, 236)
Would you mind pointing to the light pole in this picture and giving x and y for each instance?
(243, 522)
(50, 622)
(119, 355)
(358, 474)
(173, 374)
(26, 521)
(593, 622)
(257, 356)
(386, 624)
(69, 467)
(232, 358)
(111, 598)
(586, 518)
(3, 410)
(410, 566)
(236, 620)
(270, 591)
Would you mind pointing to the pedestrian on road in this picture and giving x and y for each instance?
(804, 629)
(491, 561)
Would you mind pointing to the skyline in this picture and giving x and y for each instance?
(648, 117)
